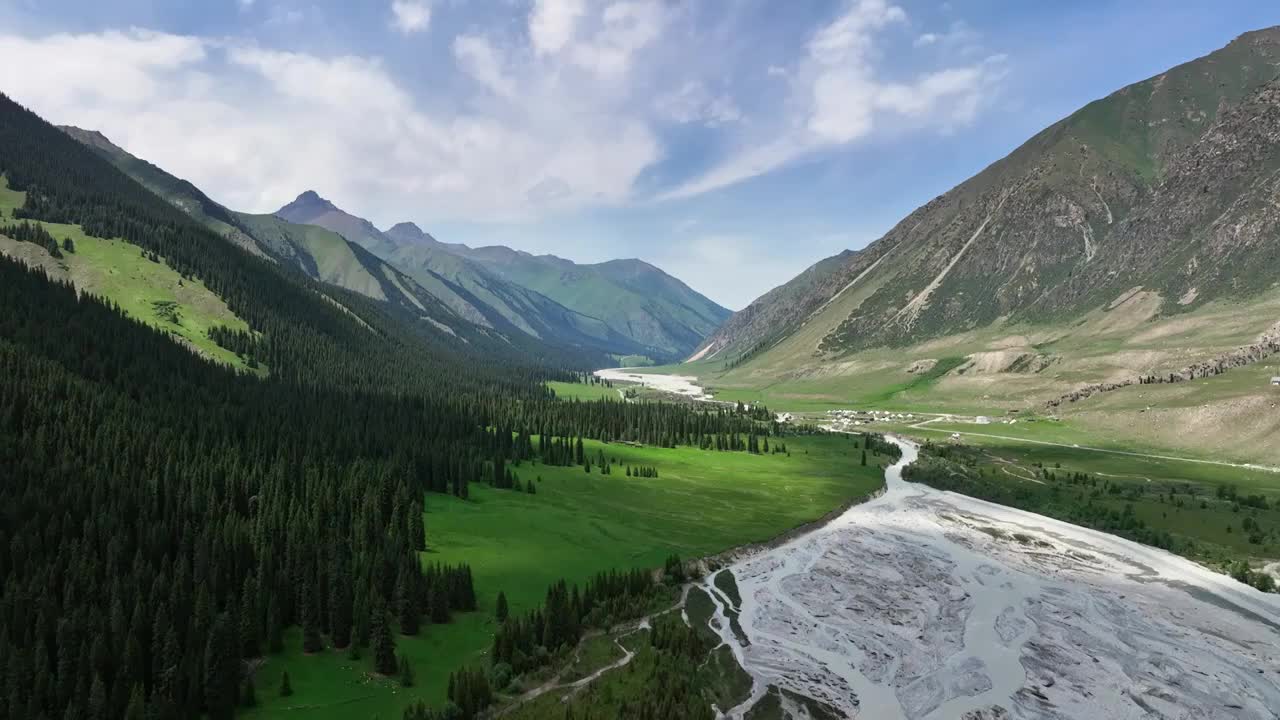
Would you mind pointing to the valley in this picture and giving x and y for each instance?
(387, 452)
(573, 525)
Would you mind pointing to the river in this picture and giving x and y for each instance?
(928, 605)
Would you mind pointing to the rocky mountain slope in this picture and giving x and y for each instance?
(626, 307)
(1164, 189)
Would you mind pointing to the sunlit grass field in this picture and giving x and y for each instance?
(577, 524)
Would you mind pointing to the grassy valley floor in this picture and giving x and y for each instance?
(577, 524)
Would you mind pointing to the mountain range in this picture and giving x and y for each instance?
(1164, 189)
(626, 306)
(621, 310)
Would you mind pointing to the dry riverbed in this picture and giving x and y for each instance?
(929, 605)
(685, 385)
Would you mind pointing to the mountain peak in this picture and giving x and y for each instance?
(92, 138)
(406, 227)
(311, 197)
(408, 233)
(305, 207)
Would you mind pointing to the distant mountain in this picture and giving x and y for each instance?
(1165, 187)
(318, 253)
(311, 209)
(631, 297)
(626, 307)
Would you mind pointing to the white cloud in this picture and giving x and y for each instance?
(253, 126)
(626, 27)
(410, 16)
(839, 94)
(552, 24)
(959, 39)
(694, 103)
(523, 125)
(479, 59)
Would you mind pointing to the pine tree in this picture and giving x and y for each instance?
(406, 672)
(384, 645)
(137, 708)
(249, 695)
(286, 690)
(222, 668)
(500, 613)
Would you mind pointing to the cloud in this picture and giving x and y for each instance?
(694, 103)
(254, 126)
(926, 39)
(410, 16)
(839, 92)
(479, 59)
(552, 24)
(566, 109)
(624, 29)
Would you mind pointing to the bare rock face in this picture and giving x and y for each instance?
(1163, 185)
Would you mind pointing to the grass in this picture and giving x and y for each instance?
(1173, 496)
(577, 524)
(1075, 432)
(584, 391)
(149, 291)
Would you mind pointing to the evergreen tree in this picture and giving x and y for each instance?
(384, 645)
(406, 672)
(137, 708)
(222, 669)
(500, 613)
(249, 694)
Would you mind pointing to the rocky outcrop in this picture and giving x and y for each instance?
(1268, 344)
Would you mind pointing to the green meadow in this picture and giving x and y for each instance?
(1192, 501)
(145, 290)
(583, 391)
(575, 525)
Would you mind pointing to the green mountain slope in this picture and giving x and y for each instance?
(630, 297)
(179, 192)
(622, 309)
(315, 251)
(1155, 189)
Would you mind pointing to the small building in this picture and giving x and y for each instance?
(1276, 381)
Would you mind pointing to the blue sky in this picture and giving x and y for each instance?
(731, 142)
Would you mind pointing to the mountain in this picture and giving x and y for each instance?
(311, 209)
(631, 297)
(181, 193)
(316, 252)
(1157, 194)
(624, 307)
